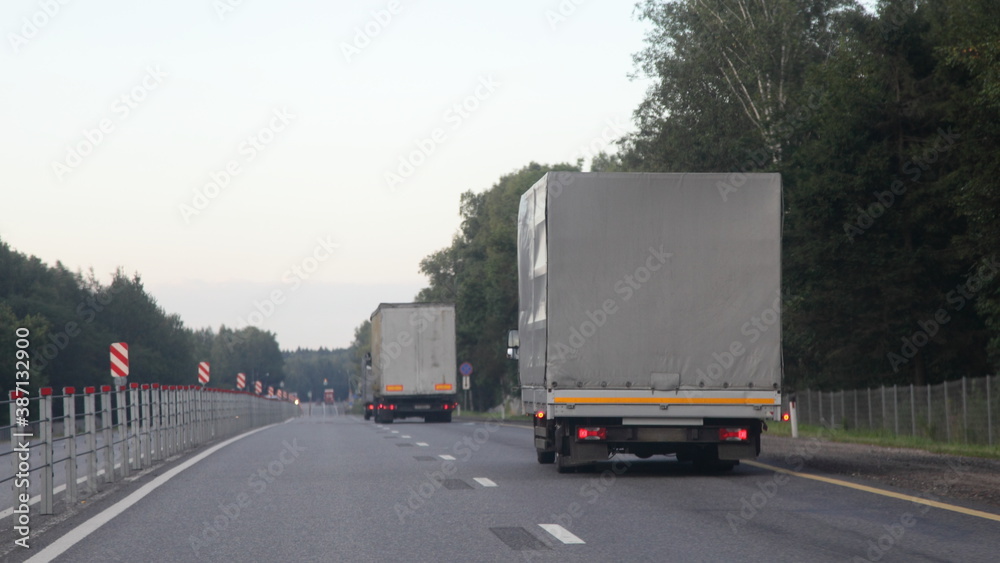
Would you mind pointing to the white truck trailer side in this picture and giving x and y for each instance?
(649, 318)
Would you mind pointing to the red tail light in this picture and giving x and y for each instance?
(446, 405)
(733, 434)
(785, 417)
(540, 415)
(591, 433)
(392, 407)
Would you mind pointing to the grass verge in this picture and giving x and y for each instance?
(885, 440)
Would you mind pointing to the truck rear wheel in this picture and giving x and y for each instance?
(545, 457)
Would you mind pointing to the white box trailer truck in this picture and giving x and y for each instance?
(413, 361)
(649, 315)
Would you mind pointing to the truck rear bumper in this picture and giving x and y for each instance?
(648, 407)
(419, 406)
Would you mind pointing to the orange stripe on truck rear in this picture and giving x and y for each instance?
(662, 401)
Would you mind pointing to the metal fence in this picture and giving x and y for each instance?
(106, 434)
(960, 411)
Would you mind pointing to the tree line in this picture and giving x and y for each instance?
(73, 318)
(884, 126)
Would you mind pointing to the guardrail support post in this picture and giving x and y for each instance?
(123, 432)
(45, 430)
(69, 431)
(134, 445)
(108, 433)
(90, 427)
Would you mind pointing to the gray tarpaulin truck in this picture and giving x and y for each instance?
(649, 318)
(413, 361)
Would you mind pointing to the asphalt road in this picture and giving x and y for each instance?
(341, 489)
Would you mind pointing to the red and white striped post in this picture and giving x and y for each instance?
(241, 380)
(119, 360)
(203, 373)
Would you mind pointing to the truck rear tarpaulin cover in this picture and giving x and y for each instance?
(413, 349)
(650, 281)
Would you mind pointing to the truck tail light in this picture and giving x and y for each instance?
(733, 434)
(591, 433)
(392, 407)
(446, 406)
(785, 417)
(540, 415)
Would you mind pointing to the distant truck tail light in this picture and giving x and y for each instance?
(785, 417)
(591, 433)
(446, 406)
(733, 434)
(540, 415)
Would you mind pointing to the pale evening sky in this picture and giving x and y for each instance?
(288, 164)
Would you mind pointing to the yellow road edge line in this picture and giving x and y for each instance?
(883, 492)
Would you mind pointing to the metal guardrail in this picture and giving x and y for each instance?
(116, 432)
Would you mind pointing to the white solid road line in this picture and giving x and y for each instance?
(424, 444)
(484, 481)
(58, 547)
(447, 457)
(560, 533)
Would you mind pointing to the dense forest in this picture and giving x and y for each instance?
(885, 127)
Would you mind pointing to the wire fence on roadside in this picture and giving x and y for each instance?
(962, 411)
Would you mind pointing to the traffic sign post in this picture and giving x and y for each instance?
(466, 370)
(203, 373)
(258, 387)
(241, 380)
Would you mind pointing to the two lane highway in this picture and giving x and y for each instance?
(338, 488)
